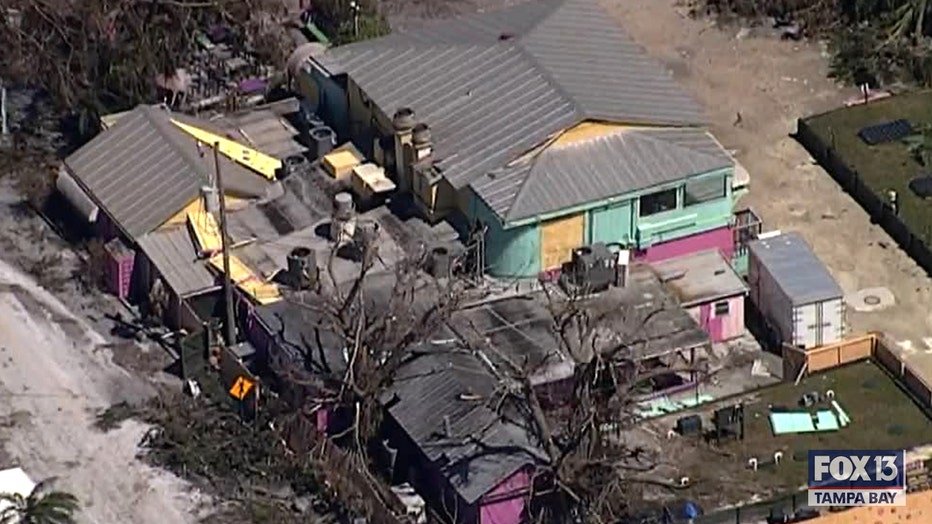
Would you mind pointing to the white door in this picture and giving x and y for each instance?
(806, 326)
(833, 321)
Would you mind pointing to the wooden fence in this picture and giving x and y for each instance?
(870, 346)
(914, 243)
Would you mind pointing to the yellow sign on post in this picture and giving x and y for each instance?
(241, 388)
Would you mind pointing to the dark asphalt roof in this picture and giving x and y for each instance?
(144, 169)
(304, 337)
(449, 388)
(494, 85)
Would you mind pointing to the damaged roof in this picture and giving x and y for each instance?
(495, 85)
(144, 169)
(443, 400)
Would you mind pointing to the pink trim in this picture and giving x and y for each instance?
(721, 238)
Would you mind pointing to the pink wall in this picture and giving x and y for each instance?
(505, 503)
(721, 327)
(720, 238)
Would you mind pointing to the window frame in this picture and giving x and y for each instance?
(718, 305)
(676, 202)
(721, 179)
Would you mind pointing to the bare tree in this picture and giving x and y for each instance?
(378, 335)
(587, 476)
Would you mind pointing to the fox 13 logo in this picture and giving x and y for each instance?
(857, 478)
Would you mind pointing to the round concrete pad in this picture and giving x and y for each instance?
(870, 299)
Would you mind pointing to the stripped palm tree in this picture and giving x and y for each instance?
(909, 18)
(41, 506)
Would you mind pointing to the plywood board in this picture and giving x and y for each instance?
(255, 160)
(558, 239)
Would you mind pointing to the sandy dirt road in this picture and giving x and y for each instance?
(55, 374)
(771, 83)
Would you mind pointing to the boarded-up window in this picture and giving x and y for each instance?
(704, 189)
(658, 202)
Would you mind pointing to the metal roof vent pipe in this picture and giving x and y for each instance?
(343, 224)
(440, 262)
(211, 199)
(302, 268)
(322, 140)
(403, 120)
(421, 140)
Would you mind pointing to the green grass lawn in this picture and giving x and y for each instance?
(883, 417)
(886, 166)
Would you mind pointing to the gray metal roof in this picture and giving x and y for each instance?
(564, 176)
(795, 268)
(483, 448)
(136, 171)
(494, 85)
(145, 169)
(172, 252)
(700, 277)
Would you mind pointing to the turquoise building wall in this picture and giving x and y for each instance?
(514, 250)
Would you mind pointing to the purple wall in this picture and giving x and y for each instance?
(506, 503)
(720, 238)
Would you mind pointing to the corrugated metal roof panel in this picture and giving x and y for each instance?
(494, 85)
(796, 269)
(173, 254)
(565, 176)
(136, 171)
(429, 390)
(144, 169)
(485, 104)
(607, 74)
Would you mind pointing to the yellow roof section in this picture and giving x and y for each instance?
(255, 160)
(243, 277)
(339, 163)
(206, 232)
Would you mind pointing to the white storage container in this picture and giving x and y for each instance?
(794, 292)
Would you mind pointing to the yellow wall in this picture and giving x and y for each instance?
(558, 239)
(918, 510)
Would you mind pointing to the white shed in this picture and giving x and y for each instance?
(794, 292)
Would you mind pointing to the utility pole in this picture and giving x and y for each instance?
(4, 128)
(225, 248)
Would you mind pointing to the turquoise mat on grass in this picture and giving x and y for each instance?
(802, 422)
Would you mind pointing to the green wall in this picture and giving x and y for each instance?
(685, 220)
(512, 252)
(613, 223)
(515, 251)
